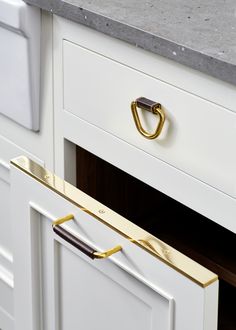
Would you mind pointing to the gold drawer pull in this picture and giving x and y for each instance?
(150, 106)
(76, 242)
(108, 253)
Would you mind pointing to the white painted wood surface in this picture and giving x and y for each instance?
(8, 150)
(63, 289)
(192, 81)
(20, 27)
(70, 129)
(40, 256)
(16, 140)
(6, 321)
(195, 133)
(39, 143)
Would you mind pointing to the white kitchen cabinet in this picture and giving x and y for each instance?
(99, 90)
(8, 151)
(97, 77)
(140, 287)
(38, 143)
(146, 285)
(92, 110)
(20, 75)
(16, 140)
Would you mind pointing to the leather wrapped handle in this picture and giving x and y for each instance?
(153, 107)
(76, 242)
(146, 104)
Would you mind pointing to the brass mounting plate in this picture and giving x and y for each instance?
(126, 228)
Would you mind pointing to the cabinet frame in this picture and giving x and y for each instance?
(71, 130)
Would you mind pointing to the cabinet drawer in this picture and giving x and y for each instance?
(150, 284)
(198, 136)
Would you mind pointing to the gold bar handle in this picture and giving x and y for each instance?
(76, 242)
(108, 253)
(150, 106)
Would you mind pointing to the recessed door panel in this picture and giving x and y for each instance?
(92, 296)
(145, 285)
(106, 302)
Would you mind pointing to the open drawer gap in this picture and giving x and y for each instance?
(179, 226)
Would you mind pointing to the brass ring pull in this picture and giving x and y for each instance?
(76, 242)
(150, 106)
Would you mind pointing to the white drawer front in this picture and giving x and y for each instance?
(198, 136)
(138, 285)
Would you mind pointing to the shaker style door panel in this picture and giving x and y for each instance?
(68, 283)
(96, 295)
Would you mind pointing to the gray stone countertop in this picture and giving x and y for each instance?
(197, 33)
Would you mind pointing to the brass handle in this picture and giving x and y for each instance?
(153, 107)
(76, 242)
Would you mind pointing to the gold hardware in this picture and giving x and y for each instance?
(96, 254)
(62, 220)
(156, 110)
(121, 225)
(108, 253)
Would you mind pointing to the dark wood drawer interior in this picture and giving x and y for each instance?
(186, 230)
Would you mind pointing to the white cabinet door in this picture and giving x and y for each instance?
(145, 286)
(8, 150)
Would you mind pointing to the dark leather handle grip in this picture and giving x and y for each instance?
(146, 104)
(74, 241)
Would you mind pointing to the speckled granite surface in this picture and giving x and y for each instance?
(200, 34)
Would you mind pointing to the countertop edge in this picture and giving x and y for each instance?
(179, 53)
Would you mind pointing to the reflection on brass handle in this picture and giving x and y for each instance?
(76, 242)
(153, 107)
